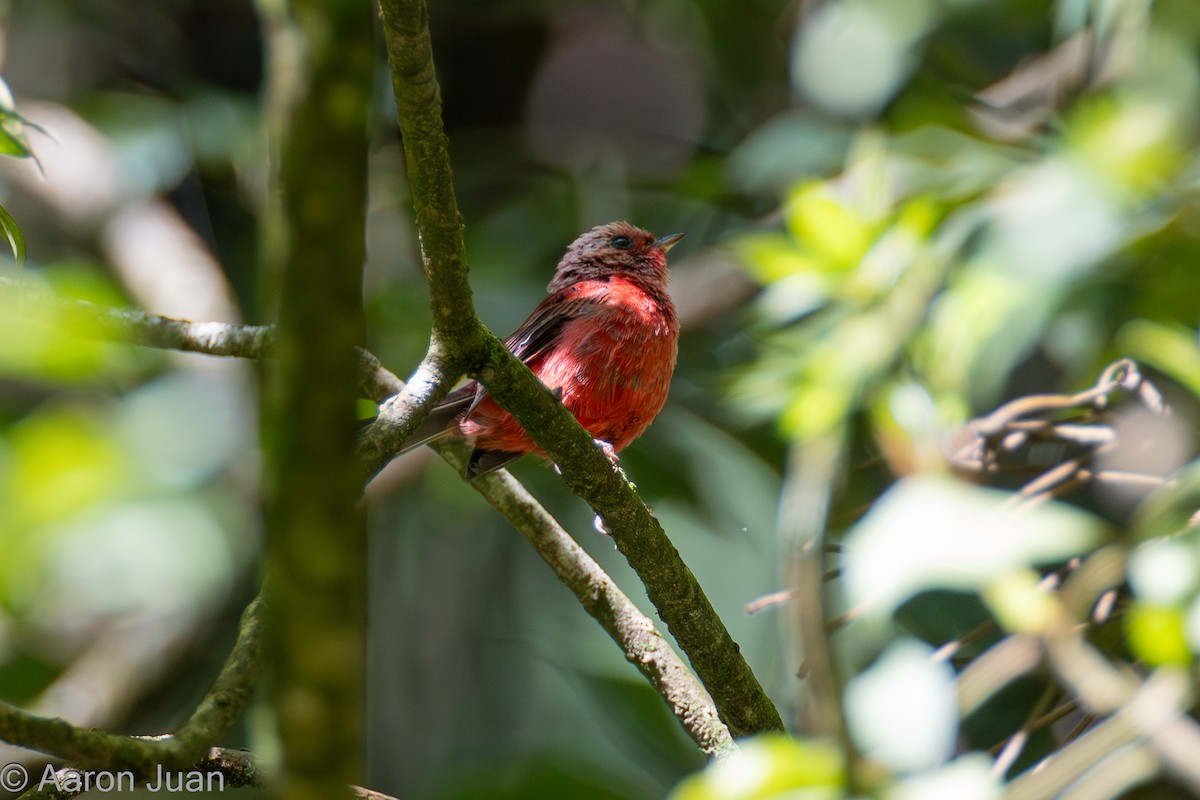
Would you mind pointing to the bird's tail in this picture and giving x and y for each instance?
(442, 421)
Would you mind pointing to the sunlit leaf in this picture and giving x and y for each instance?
(1166, 571)
(1157, 634)
(1020, 603)
(16, 239)
(773, 257)
(967, 777)
(825, 226)
(64, 459)
(1135, 144)
(936, 533)
(770, 767)
(903, 710)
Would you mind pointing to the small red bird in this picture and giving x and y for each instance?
(605, 339)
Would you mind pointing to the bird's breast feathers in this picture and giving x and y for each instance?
(614, 360)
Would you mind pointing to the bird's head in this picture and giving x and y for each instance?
(616, 248)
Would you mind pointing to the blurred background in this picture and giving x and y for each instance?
(900, 213)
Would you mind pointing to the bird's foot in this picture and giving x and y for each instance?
(609, 451)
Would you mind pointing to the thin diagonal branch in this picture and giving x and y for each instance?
(230, 694)
(458, 334)
(138, 327)
(632, 630)
(670, 584)
(144, 329)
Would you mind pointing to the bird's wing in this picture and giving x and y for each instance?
(532, 338)
(539, 332)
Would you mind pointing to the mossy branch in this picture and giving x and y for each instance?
(426, 153)
(92, 749)
(673, 589)
(632, 630)
(323, 60)
(629, 628)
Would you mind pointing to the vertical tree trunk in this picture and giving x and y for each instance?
(321, 70)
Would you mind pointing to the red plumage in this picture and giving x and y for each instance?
(606, 336)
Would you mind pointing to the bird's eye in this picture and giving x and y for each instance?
(621, 242)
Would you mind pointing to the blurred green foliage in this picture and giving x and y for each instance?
(771, 766)
(900, 215)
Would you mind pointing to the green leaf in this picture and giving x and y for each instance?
(16, 239)
(12, 126)
(936, 533)
(1157, 634)
(770, 767)
(11, 143)
(829, 228)
(968, 777)
(903, 711)
(1170, 348)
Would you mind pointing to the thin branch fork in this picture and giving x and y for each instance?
(1076, 423)
(460, 341)
(632, 630)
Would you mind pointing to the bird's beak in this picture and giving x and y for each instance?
(665, 243)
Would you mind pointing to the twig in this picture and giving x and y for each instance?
(1152, 711)
(230, 694)
(1120, 375)
(995, 668)
(139, 327)
(952, 648)
(1011, 750)
(808, 487)
(168, 333)
(771, 600)
(240, 769)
